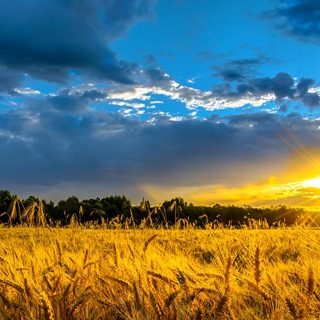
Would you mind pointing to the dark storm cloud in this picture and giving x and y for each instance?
(9, 80)
(44, 145)
(231, 75)
(282, 86)
(301, 19)
(304, 85)
(156, 75)
(310, 99)
(75, 102)
(48, 39)
(240, 69)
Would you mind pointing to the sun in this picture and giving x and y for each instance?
(312, 183)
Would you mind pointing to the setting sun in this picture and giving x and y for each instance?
(315, 183)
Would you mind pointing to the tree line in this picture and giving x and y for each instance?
(33, 211)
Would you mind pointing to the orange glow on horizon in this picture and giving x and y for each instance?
(298, 184)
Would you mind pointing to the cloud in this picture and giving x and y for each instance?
(45, 146)
(156, 75)
(231, 75)
(150, 59)
(298, 18)
(193, 79)
(278, 90)
(162, 85)
(27, 91)
(311, 99)
(240, 69)
(76, 101)
(51, 39)
(282, 86)
(9, 80)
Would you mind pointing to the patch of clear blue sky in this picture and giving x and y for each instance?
(188, 38)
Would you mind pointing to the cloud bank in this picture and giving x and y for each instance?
(44, 145)
(299, 19)
(51, 39)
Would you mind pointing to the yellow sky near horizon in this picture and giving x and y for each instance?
(305, 193)
(296, 184)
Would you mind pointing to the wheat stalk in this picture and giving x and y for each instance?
(221, 305)
(156, 307)
(84, 296)
(171, 298)
(145, 247)
(115, 254)
(12, 285)
(257, 263)
(120, 281)
(161, 277)
(227, 274)
(310, 283)
(47, 307)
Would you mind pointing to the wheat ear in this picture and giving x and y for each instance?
(47, 307)
(145, 247)
(257, 263)
(310, 286)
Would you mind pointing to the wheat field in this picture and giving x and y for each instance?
(221, 273)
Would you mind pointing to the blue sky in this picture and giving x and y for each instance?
(204, 99)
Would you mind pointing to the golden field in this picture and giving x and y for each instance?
(214, 273)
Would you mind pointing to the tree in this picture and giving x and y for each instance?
(66, 208)
(5, 200)
(29, 201)
(116, 205)
(48, 207)
(92, 210)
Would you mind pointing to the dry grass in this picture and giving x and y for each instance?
(159, 274)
